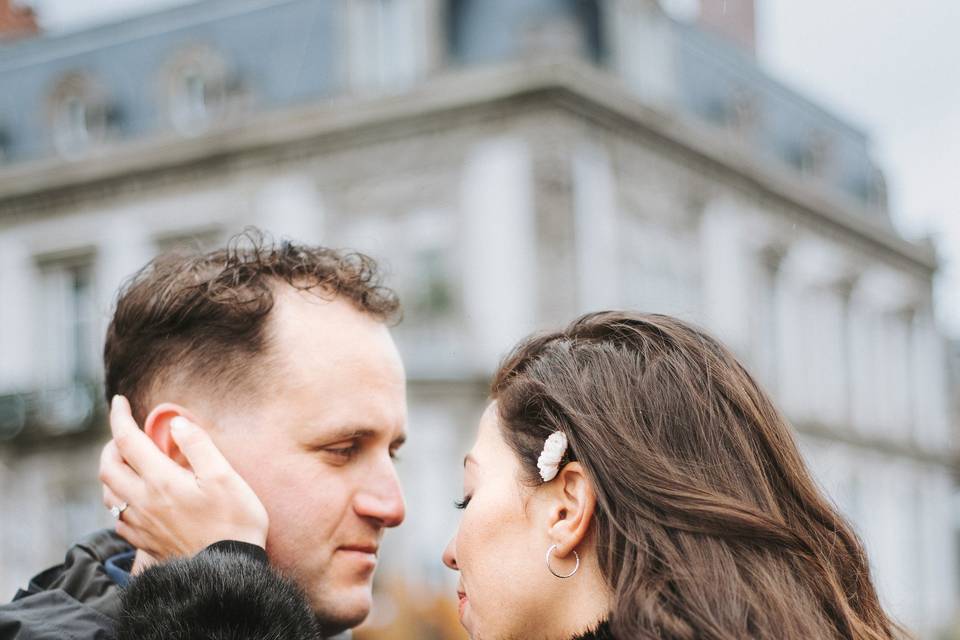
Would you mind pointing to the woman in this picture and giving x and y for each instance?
(629, 480)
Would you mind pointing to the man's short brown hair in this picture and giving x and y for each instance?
(200, 318)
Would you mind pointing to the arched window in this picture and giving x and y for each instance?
(197, 87)
(80, 114)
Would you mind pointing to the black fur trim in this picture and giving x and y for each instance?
(214, 596)
(602, 632)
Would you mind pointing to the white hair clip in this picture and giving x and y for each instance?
(553, 451)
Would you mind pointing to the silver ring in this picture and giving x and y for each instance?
(569, 575)
(117, 510)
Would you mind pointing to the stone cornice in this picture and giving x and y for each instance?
(572, 85)
(945, 457)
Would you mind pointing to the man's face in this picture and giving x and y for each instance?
(318, 448)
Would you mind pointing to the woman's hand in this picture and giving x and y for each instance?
(173, 511)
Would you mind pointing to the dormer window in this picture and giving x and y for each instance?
(72, 123)
(745, 114)
(384, 51)
(5, 143)
(813, 155)
(192, 102)
(877, 193)
(737, 111)
(81, 114)
(198, 88)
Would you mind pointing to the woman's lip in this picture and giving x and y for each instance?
(463, 602)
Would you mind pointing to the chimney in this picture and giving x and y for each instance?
(733, 20)
(16, 22)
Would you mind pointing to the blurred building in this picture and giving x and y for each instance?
(513, 163)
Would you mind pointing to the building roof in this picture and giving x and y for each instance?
(279, 53)
(282, 52)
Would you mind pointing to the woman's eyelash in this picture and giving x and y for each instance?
(462, 504)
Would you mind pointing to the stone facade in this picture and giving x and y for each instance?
(507, 186)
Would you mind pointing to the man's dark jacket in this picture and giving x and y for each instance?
(227, 591)
(76, 600)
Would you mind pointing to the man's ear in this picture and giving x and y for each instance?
(157, 427)
(574, 502)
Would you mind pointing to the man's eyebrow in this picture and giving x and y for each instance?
(360, 433)
(341, 434)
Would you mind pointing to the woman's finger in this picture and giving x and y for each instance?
(117, 476)
(131, 535)
(110, 499)
(199, 450)
(136, 448)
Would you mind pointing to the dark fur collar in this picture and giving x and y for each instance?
(602, 632)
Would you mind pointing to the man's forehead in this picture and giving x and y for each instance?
(331, 338)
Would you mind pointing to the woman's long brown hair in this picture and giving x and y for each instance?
(708, 524)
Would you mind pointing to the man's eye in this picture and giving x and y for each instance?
(395, 455)
(345, 452)
(462, 504)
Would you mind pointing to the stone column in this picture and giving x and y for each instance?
(500, 252)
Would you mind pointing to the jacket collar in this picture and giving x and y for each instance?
(82, 575)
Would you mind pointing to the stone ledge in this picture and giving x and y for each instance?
(573, 85)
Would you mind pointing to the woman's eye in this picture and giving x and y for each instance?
(462, 504)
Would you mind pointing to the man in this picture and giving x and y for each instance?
(283, 355)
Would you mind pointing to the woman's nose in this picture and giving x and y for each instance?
(450, 555)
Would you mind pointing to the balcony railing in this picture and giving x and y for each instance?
(41, 414)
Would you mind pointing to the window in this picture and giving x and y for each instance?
(384, 46)
(812, 156)
(81, 114)
(68, 345)
(877, 195)
(765, 318)
(433, 295)
(5, 143)
(483, 31)
(198, 88)
(199, 239)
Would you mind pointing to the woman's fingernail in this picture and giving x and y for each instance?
(179, 424)
(113, 402)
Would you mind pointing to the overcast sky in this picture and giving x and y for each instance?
(889, 66)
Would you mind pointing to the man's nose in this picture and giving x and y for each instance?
(381, 498)
(450, 555)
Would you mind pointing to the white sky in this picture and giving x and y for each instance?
(889, 66)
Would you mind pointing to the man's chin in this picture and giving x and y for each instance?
(341, 609)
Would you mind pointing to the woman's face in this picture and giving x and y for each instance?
(499, 548)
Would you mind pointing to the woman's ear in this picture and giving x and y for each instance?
(157, 427)
(572, 511)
